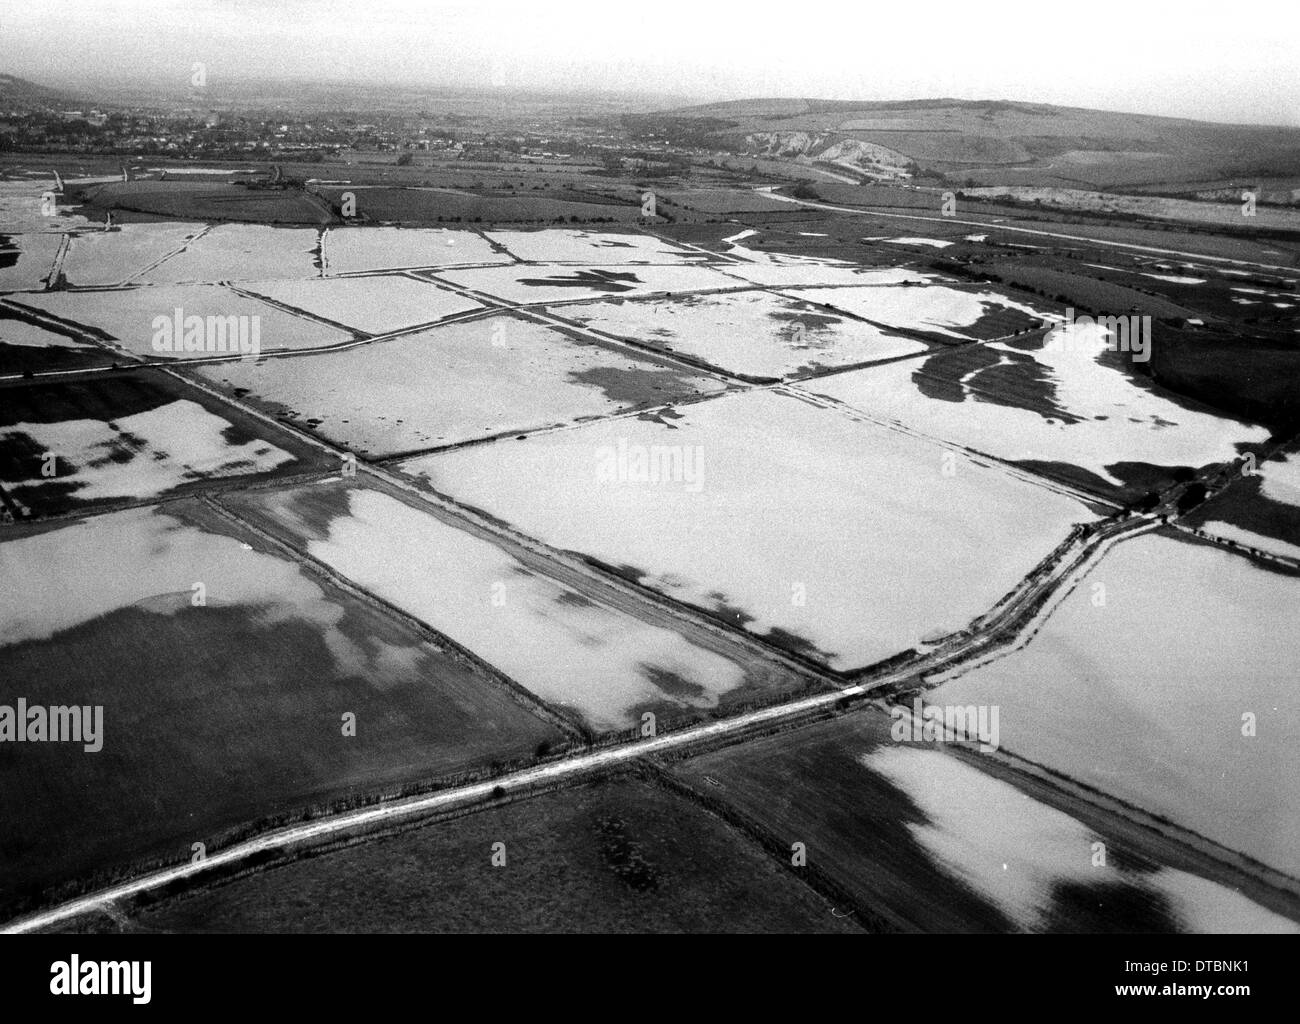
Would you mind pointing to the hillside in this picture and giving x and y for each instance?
(15, 91)
(996, 142)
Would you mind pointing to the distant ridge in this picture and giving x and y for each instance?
(768, 107)
(989, 141)
(14, 89)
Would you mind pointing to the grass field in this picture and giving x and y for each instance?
(614, 857)
(1250, 378)
(210, 201)
(725, 200)
(1084, 291)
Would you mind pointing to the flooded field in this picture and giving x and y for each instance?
(96, 258)
(27, 261)
(600, 663)
(372, 305)
(127, 437)
(752, 334)
(1069, 407)
(765, 485)
(241, 252)
(492, 376)
(935, 310)
(1139, 684)
(544, 284)
(591, 248)
(357, 250)
(143, 320)
(24, 209)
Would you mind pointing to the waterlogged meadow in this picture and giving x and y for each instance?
(98, 258)
(359, 250)
(1068, 405)
(829, 536)
(143, 321)
(752, 334)
(1041, 867)
(933, 309)
(26, 345)
(591, 248)
(137, 456)
(372, 305)
(241, 252)
(456, 383)
(606, 666)
(27, 261)
(127, 438)
(1165, 678)
(815, 273)
(534, 284)
(30, 206)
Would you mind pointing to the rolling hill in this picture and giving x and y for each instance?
(993, 141)
(19, 92)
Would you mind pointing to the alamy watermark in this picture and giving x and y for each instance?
(1128, 333)
(75, 723)
(626, 463)
(210, 334)
(75, 977)
(950, 723)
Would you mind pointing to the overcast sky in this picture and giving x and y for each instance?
(1223, 62)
